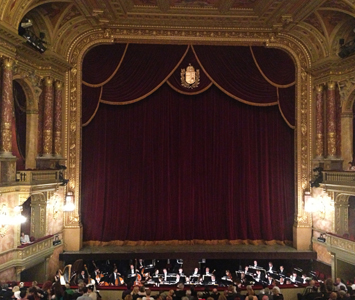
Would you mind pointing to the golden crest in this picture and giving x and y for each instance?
(190, 78)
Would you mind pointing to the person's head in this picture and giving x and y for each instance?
(222, 297)
(281, 268)
(207, 270)
(214, 290)
(165, 271)
(276, 290)
(90, 289)
(265, 297)
(196, 270)
(342, 294)
(270, 264)
(22, 234)
(282, 280)
(148, 291)
(180, 270)
(337, 281)
(128, 297)
(333, 296)
(255, 263)
(83, 290)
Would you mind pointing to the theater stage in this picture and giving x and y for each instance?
(216, 251)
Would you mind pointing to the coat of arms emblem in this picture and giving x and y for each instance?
(189, 77)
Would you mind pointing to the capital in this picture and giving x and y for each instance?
(8, 63)
(48, 81)
(331, 85)
(319, 88)
(58, 85)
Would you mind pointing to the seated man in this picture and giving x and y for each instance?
(24, 239)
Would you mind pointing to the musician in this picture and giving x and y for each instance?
(282, 281)
(181, 272)
(207, 272)
(115, 278)
(194, 277)
(140, 264)
(282, 272)
(156, 276)
(57, 275)
(131, 274)
(270, 280)
(229, 275)
(246, 270)
(213, 280)
(271, 268)
(165, 275)
(97, 276)
(255, 264)
(227, 279)
(82, 276)
(258, 277)
(295, 278)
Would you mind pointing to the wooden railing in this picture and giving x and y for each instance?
(339, 177)
(341, 243)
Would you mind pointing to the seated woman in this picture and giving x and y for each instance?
(24, 239)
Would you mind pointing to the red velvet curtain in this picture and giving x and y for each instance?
(172, 166)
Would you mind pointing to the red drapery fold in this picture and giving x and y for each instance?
(183, 167)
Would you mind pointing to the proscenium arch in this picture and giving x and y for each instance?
(304, 109)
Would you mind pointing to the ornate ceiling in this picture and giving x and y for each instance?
(318, 24)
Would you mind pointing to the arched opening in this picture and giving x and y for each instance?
(26, 212)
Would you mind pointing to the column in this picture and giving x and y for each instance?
(32, 130)
(319, 122)
(7, 109)
(58, 119)
(48, 118)
(331, 120)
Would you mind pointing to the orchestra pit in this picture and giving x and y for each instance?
(200, 146)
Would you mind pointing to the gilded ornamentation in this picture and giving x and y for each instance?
(190, 78)
(331, 119)
(48, 117)
(58, 119)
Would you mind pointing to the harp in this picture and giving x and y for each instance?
(78, 265)
(66, 275)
